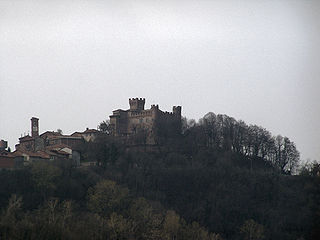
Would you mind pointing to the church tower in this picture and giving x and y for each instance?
(34, 127)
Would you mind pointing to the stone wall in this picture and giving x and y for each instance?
(143, 125)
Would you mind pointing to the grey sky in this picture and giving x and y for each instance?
(71, 63)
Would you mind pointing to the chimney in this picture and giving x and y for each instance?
(34, 127)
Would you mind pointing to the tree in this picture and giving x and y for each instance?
(251, 230)
(105, 150)
(106, 197)
(310, 169)
(44, 176)
(146, 221)
(240, 135)
(105, 127)
(196, 232)
(171, 225)
(119, 227)
(287, 156)
(9, 216)
(210, 128)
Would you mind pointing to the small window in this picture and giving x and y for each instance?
(141, 120)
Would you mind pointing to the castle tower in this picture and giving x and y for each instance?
(176, 110)
(34, 127)
(136, 104)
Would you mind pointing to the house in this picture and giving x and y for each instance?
(6, 160)
(3, 145)
(24, 157)
(48, 146)
(88, 135)
(63, 151)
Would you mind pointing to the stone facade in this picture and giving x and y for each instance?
(89, 135)
(34, 127)
(139, 125)
(6, 160)
(49, 145)
(37, 142)
(3, 145)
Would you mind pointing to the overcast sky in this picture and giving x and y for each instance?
(70, 63)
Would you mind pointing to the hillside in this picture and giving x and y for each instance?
(219, 179)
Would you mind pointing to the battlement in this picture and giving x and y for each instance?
(167, 113)
(126, 123)
(141, 114)
(137, 104)
(176, 110)
(137, 99)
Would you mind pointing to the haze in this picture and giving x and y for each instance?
(70, 63)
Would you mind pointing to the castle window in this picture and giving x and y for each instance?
(141, 120)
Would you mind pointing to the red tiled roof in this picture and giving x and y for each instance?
(57, 153)
(40, 154)
(50, 134)
(91, 131)
(65, 136)
(18, 153)
(79, 134)
(76, 134)
(51, 153)
(6, 154)
(63, 152)
(57, 146)
(25, 138)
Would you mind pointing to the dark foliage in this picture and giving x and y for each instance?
(220, 174)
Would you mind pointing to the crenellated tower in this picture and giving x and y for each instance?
(137, 104)
(176, 110)
(144, 126)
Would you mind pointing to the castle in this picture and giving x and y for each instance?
(145, 126)
(136, 126)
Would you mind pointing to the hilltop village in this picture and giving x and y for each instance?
(135, 126)
(220, 177)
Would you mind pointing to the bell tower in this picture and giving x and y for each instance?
(34, 127)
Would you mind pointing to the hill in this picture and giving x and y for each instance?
(219, 179)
